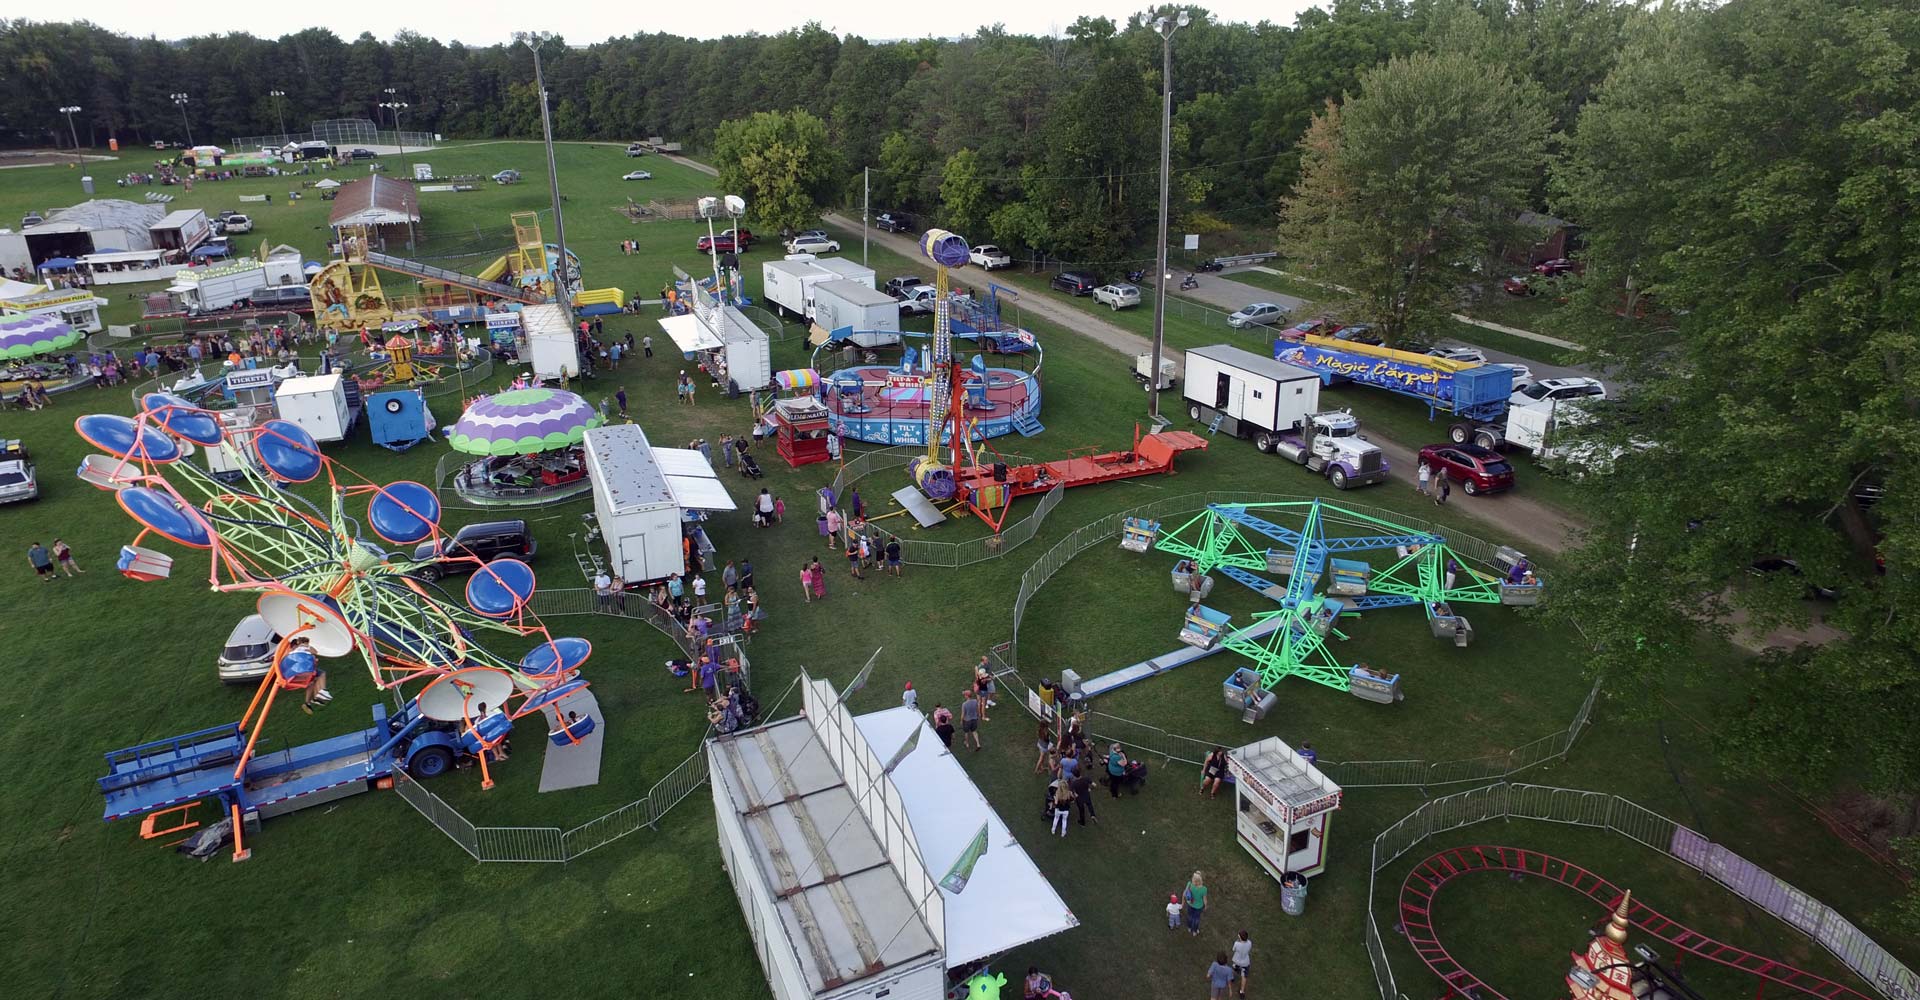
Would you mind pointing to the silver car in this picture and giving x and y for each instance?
(17, 481)
(248, 654)
(1117, 297)
(1258, 314)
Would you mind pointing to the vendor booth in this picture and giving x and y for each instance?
(800, 430)
(733, 351)
(1283, 808)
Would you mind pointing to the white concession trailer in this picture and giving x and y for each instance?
(642, 496)
(318, 403)
(862, 881)
(550, 344)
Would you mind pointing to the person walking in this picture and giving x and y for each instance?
(1195, 897)
(1043, 742)
(1116, 770)
(1421, 478)
(1440, 495)
(983, 677)
(910, 698)
(726, 449)
(1173, 911)
(1243, 959)
(806, 581)
(1219, 977)
(646, 347)
(970, 718)
(729, 576)
(1082, 785)
(1213, 772)
(63, 554)
(1062, 806)
(819, 580)
(943, 725)
(620, 397)
(763, 508)
(42, 562)
(746, 574)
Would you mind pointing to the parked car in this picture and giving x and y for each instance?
(1478, 470)
(1467, 355)
(899, 286)
(507, 177)
(893, 222)
(360, 153)
(1075, 283)
(1314, 327)
(484, 541)
(1257, 314)
(721, 244)
(813, 244)
(919, 299)
(636, 149)
(1519, 286)
(1522, 375)
(637, 175)
(31, 219)
(248, 653)
(823, 234)
(990, 257)
(1557, 267)
(1359, 333)
(1117, 297)
(17, 478)
(236, 224)
(1572, 387)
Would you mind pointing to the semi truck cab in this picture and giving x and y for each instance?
(1330, 443)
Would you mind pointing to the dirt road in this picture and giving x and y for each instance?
(1533, 524)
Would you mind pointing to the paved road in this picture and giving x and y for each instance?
(1536, 525)
(1222, 292)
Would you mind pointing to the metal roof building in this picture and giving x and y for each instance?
(387, 206)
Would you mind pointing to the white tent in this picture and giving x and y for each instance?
(327, 184)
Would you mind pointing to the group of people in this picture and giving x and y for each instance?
(866, 546)
(1430, 482)
(44, 560)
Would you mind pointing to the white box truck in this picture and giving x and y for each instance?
(843, 269)
(1277, 405)
(550, 344)
(788, 283)
(639, 517)
(851, 311)
(208, 289)
(317, 403)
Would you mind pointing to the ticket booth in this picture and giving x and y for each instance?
(1283, 808)
(800, 430)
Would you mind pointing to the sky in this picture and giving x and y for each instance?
(484, 22)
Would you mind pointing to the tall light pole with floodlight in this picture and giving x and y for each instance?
(280, 110)
(533, 40)
(180, 100)
(68, 110)
(396, 107)
(1166, 25)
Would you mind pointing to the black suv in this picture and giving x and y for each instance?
(1075, 282)
(893, 222)
(485, 541)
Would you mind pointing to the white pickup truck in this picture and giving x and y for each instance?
(919, 299)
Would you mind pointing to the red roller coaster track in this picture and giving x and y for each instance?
(1426, 878)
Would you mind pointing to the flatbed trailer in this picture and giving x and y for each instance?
(1150, 455)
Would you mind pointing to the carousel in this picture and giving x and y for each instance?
(528, 447)
(25, 345)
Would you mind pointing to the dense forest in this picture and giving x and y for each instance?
(1745, 178)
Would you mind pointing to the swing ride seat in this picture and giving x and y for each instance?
(1203, 626)
(106, 472)
(1137, 534)
(573, 732)
(140, 563)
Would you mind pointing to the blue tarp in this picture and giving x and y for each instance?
(58, 264)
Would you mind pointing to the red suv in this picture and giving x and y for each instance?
(1478, 470)
(1557, 267)
(730, 241)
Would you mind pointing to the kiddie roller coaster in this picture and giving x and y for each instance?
(328, 590)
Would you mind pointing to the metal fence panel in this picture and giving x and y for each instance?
(542, 844)
(1559, 805)
(445, 817)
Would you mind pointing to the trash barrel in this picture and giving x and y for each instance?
(1293, 894)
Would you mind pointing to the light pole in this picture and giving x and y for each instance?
(68, 110)
(280, 111)
(1166, 26)
(396, 107)
(532, 40)
(181, 101)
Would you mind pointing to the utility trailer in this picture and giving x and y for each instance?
(1277, 406)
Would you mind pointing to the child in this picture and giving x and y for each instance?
(1173, 912)
(779, 510)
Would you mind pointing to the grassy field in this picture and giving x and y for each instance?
(364, 897)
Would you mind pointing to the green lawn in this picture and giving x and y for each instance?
(364, 898)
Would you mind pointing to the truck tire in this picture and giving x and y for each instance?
(1263, 441)
(1193, 411)
(1486, 438)
(1459, 433)
(430, 762)
(1338, 477)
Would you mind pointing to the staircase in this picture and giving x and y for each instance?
(1218, 419)
(1027, 424)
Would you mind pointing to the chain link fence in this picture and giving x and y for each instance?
(1600, 810)
(342, 132)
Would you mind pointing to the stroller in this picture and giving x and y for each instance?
(750, 468)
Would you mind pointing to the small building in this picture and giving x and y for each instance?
(732, 349)
(1283, 809)
(866, 861)
(388, 208)
(77, 307)
(800, 430)
(1544, 238)
(101, 225)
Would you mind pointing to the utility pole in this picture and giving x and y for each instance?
(866, 200)
(396, 107)
(1166, 26)
(532, 41)
(68, 110)
(280, 111)
(180, 100)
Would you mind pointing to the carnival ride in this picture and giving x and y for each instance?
(1426, 878)
(529, 447)
(1324, 584)
(331, 593)
(348, 296)
(890, 402)
(988, 489)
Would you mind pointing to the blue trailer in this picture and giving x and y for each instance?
(170, 773)
(1477, 394)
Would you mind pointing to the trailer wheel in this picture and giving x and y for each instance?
(1338, 477)
(1263, 441)
(1486, 438)
(1193, 411)
(1459, 433)
(430, 762)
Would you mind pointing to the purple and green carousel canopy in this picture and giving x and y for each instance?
(523, 421)
(24, 336)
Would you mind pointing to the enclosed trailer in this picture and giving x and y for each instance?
(788, 284)
(639, 516)
(181, 230)
(1243, 394)
(551, 346)
(209, 289)
(851, 311)
(1284, 809)
(843, 269)
(318, 403)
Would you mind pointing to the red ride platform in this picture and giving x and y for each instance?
(1151, 455)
